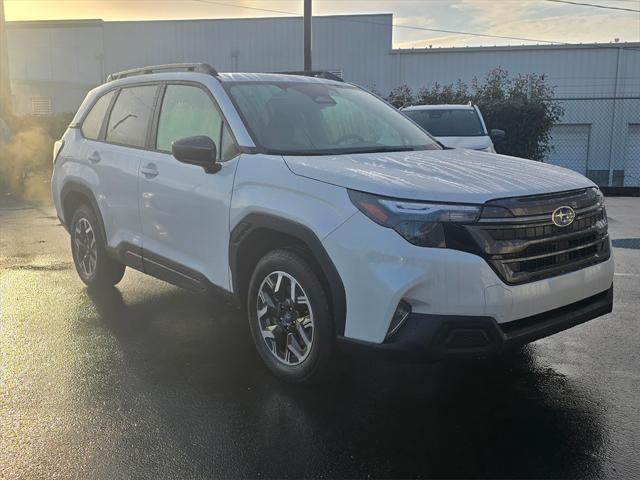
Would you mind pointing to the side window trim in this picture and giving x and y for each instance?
(219, 149)
(105, 121)
(158, 108)
(152, 131)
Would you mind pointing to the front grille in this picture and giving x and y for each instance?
(528, 246)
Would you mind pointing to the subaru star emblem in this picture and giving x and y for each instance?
(563, 216)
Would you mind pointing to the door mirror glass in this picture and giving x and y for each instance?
(497, 135)
(199, 150)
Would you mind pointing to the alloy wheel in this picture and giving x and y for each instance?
(86, 249)
(285, 318)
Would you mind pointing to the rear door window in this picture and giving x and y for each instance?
(93, 121)
(130, 116)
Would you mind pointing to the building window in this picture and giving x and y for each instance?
(40, 106)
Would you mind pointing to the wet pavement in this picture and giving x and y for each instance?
(150, 381)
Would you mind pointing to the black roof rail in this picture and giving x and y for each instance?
(315, 73)
(170, 67)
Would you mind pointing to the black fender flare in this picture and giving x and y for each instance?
(77, 187)
(305, 235)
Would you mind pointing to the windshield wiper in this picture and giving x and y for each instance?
(379, 149)
(340, 151)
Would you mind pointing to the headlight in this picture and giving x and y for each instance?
(421, 223)
(600, 196)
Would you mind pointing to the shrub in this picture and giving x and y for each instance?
(401, 96)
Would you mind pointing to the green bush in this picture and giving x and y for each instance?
(522, 106)
(401, 97)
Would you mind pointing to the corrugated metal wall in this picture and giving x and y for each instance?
(62, 60)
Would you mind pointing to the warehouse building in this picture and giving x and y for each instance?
(54, 63)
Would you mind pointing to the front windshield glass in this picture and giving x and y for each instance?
(305, 118)
(454, 122)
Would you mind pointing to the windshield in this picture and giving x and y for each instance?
(304, 118)
(448, 122)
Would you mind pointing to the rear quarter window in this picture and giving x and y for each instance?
(93, 121)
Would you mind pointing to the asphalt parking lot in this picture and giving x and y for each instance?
(150, 381)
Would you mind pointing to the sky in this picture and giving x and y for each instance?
(537, 20)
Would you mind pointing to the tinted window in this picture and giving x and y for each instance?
(448, 122)
(187, 111)
(228, 149)
(322, 118)
(130, 116)
(93, 121)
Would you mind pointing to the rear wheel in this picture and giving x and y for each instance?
(93, 264)
(289, 317)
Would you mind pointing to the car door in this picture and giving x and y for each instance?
(185, 210)
(115, 155)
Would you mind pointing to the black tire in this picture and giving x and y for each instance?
(318, 361)
(107, 271)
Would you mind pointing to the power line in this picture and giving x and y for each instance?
(411, 27)
(607, 7)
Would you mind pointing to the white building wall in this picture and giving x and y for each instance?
(62, 60)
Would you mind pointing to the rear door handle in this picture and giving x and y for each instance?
(150, 170)
(94, 157)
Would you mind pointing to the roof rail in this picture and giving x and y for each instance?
(316, 74)
(170, 67)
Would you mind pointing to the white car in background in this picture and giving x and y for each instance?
(455, 126)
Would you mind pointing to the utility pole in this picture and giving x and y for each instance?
(5, 88)
(307, 35)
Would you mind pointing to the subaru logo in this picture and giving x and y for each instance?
(563, 216)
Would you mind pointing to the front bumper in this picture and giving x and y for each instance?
(379, 269)
(435, 337)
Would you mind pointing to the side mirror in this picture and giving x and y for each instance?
(199, 150)
(497, 135)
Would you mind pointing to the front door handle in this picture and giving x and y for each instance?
(150, 170)
(94, 157)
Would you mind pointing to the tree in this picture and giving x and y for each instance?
(401, 96)
(446, 94)
(523, 107)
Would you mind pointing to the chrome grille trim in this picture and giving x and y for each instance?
(557, 252)
(545, 217)
(527, 248)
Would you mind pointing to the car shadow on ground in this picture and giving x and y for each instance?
(214, 402)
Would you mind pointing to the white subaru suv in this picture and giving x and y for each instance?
(331, 218)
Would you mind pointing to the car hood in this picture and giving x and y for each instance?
(466, 176)
(474, 143)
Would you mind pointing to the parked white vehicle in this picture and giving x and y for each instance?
(327, 215)
(455, 126)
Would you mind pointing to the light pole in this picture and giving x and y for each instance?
(307, 35)
(5, 91)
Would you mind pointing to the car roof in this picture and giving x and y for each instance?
(439, 107)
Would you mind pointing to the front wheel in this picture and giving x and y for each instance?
(289, 317)
(93, 264)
